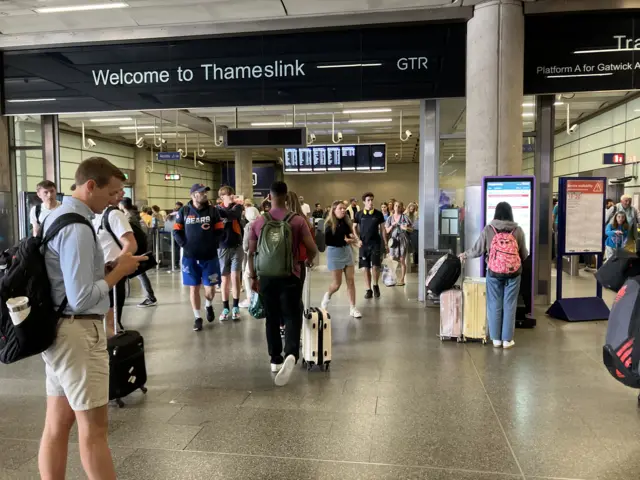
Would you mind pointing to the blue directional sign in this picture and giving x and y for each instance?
(168, 156)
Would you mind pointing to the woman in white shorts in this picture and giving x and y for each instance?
(340, 237)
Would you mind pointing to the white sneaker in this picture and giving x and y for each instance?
(276, 367)
(355, 313)
(325, 301)
(283, 376)
(507, 345)
(497, 343)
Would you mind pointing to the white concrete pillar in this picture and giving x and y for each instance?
(495, 69)
(244, 173)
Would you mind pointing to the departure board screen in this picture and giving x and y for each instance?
(363, 157)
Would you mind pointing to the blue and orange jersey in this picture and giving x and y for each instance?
(231, 215)
(198, 231)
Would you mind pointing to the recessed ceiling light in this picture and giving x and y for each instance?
(29, 131)
(81, 8)
(371, 120)
(168, 134)
(528, 104)
(271, 124)
(107, 119)
(367, 110)
(28, 100)
(528, 115)
(140, 127)
(557, 104)
(350, 65)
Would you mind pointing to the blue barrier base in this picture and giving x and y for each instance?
(579, 309)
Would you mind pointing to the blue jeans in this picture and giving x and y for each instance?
(502, 302)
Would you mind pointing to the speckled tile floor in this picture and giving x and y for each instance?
(397, 404)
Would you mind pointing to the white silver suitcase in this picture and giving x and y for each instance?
(316, 332)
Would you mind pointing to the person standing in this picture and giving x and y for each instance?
(318, 213)
(502, 288)
(398, 227)
(281, 294)
(230, 253)
(77, 364)
(369, 226)
(617, 232)
(633, 218)
(353, 208)
(340, 236)
(116, 239)
(48, 194)
(384, 208)
(306, 209)
(197, 230)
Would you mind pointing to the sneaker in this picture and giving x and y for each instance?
(211, 315)
(246, 303)
(507, 345)
(276, 367)
(224, 316)
(235, 314)
(368, 294)
(325, 301)
(283, 376)
(497, 343)
(376, 291)
(283, 331)
(148, 302)
(197, 325)
(355, 313)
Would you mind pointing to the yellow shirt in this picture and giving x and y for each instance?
(146, 218)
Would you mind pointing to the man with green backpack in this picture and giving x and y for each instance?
(274, 244)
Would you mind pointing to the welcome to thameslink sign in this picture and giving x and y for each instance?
(579, 52)
(357, 64)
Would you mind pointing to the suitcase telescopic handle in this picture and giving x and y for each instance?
(306, 290)
(115, 312)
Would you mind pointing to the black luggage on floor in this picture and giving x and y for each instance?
(127, 367)
(617, 269)
(444, 274)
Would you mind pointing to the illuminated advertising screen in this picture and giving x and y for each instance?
(519, 194)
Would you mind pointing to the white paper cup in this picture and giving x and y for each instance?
(19, 309)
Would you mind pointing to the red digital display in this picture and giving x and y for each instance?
(613, 158)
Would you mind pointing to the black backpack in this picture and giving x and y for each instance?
(138, 233)
(23, 274)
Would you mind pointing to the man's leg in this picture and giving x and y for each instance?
(292, 314)
(269, 292)
(236, 281)
(225, 254)
(94, 446)
(145, 283)
(367, 278)
(52, 459)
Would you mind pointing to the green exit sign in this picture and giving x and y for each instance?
(126, 176)
(172, 177)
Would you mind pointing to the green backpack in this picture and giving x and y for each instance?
(274, 257)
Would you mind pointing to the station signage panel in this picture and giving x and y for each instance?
(168, 156)
(172, 177)
(613, 158)
(339, 65)
(336, 158)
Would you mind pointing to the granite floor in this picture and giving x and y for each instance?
(397, 403)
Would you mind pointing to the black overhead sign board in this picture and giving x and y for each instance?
(355, 64)
(581, 52)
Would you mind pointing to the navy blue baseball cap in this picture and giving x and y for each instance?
(198, 187)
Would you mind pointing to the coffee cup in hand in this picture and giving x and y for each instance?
(19, 309)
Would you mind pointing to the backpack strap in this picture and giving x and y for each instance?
(289, 216)
(267, 216)
(107, 226)
(65, 220)
(38, 212)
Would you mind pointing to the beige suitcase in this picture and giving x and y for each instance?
(474, 318)
(451, 315)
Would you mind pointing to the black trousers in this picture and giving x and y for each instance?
(145, 283)
(121, 294)
(281, 298)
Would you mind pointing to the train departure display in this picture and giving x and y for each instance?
(336, 158)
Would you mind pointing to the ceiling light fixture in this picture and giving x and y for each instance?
(106, 119)
(140, 127)
(82, 8)
(528, 104)
(367, 110)
(29, 100)
(557, 104)
(350, 65)
(271, 124)
(528, 115)
(371, 120)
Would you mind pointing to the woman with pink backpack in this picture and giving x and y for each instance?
(504, 244)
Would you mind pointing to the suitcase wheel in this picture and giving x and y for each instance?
(326, 367)
(484, 341)
(120, 403)
(458, 339)
(304, 363)
(144, 389)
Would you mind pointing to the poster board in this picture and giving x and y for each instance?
(584, 216)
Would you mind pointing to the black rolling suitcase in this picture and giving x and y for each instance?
(444, 274)
(127, 367)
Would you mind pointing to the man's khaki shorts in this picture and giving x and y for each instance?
(77, 364)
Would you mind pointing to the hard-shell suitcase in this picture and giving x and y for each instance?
(316, 333)
(127, 367)
(451, 315)
(474, 320)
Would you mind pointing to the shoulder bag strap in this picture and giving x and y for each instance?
(107, 226)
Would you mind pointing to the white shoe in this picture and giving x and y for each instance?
(325, 301)
(507, 345)
(355, 313)
(276, 367)
(283, 376)
(497, 343)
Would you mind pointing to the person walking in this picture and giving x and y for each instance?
(280, 288)
(353, 208)
(617, 233)
(230, 253)
(504, 243)
(398, 228)
(197, 230)
(633, 218)
(384, 208)
(369, 227)
(251, 214)
(340, 236)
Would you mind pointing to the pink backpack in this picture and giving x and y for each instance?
(504, 255)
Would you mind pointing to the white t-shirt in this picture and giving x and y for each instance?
(306, 209)
(44, 213)
(119, 225)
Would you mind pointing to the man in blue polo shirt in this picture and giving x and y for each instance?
(197, 230)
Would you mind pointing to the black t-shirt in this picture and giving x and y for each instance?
(336, 239)
(369, 223)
